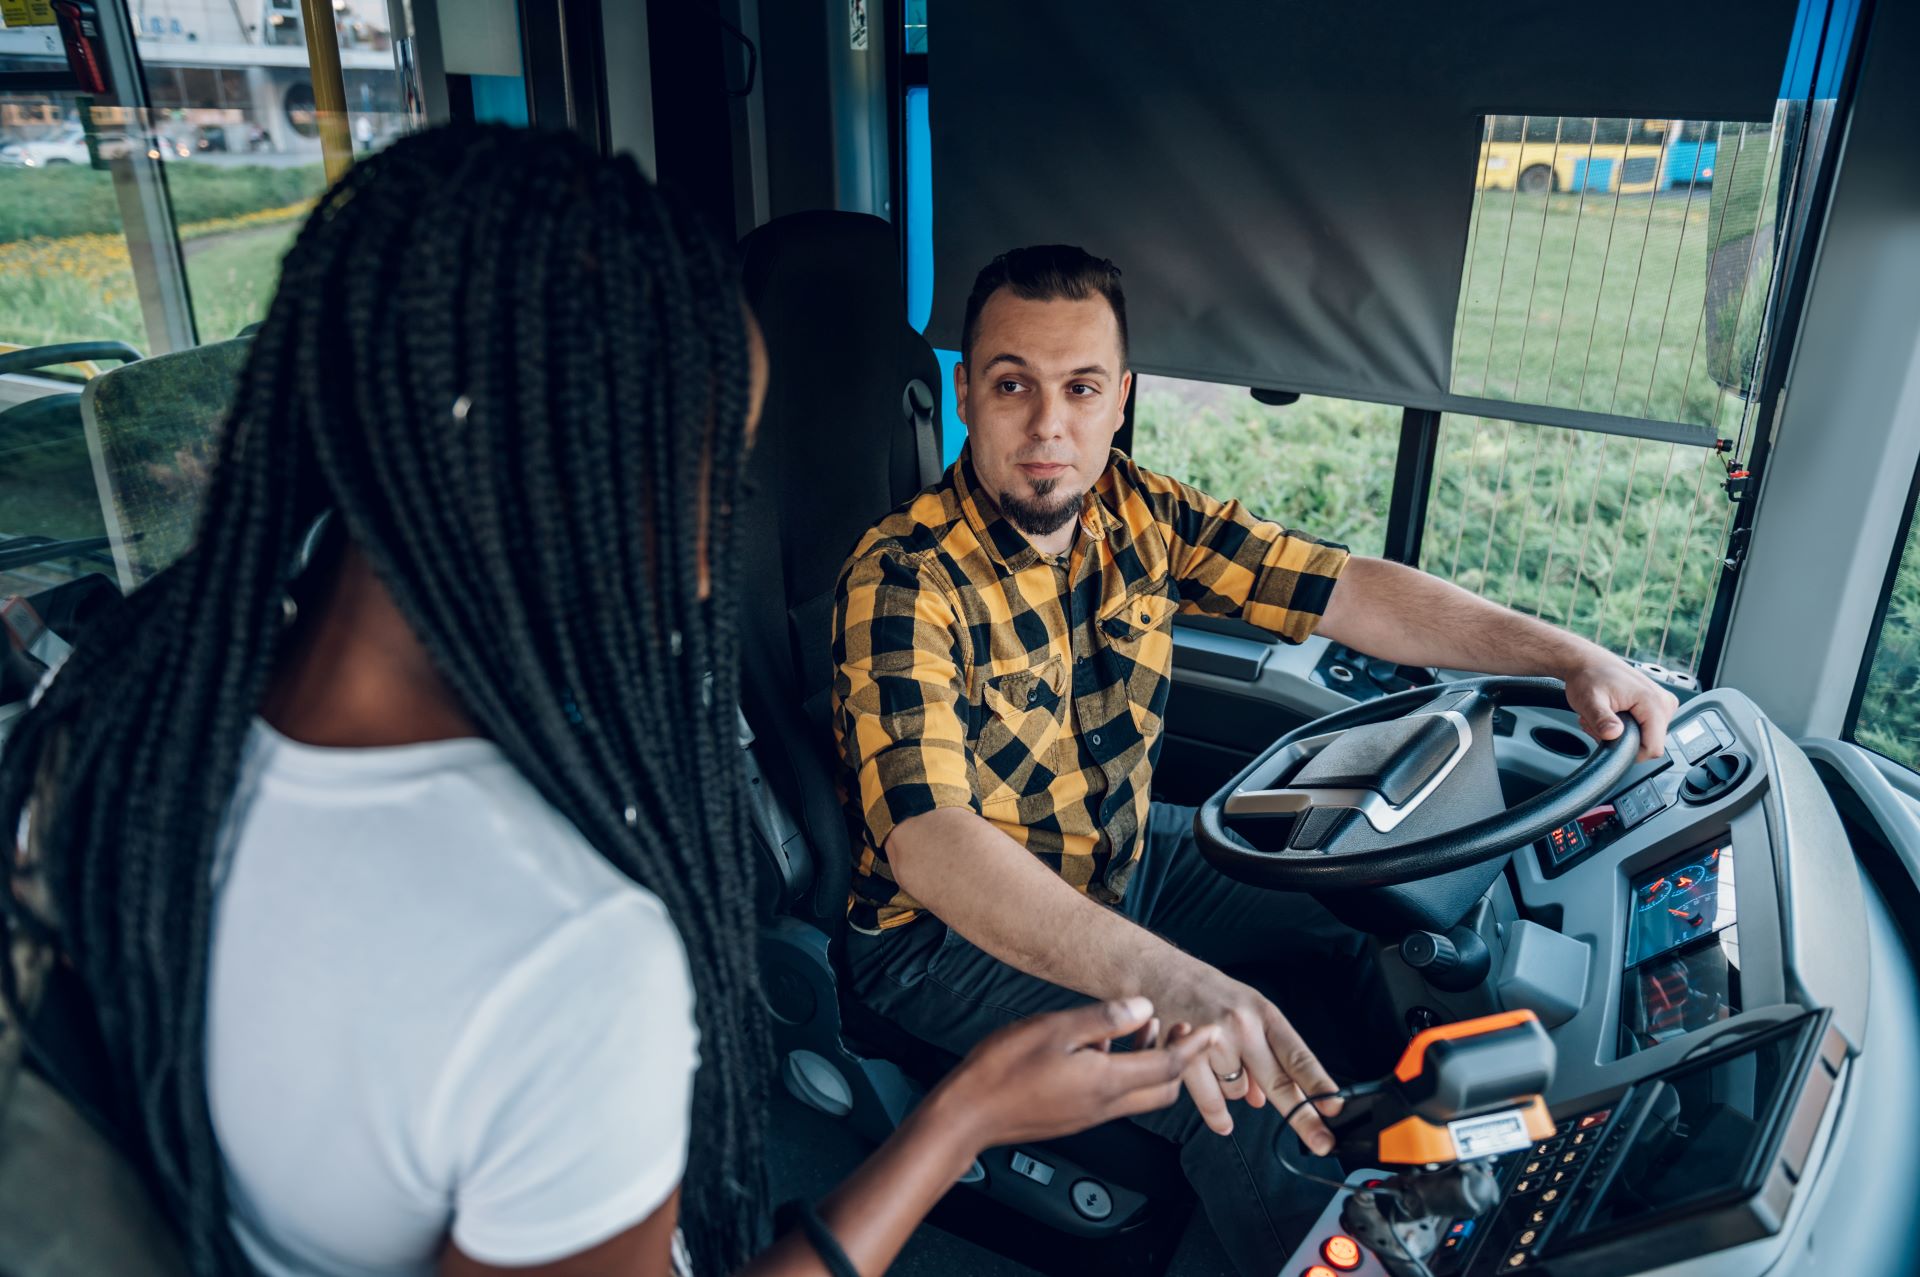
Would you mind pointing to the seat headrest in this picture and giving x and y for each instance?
(836, 449)
(153, 429)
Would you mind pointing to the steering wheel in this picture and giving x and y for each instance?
(1393, 791)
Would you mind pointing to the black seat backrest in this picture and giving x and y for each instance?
(837, 449)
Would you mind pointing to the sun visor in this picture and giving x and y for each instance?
(1287, 188)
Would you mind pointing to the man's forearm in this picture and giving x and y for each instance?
(1401, 614)
(991, 890)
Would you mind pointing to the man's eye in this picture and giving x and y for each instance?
(1083, 390)
(1009, 387)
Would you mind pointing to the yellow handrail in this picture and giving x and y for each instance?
(329, 87)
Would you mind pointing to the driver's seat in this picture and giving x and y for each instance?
(850, 430)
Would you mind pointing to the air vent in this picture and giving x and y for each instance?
(1715, 776)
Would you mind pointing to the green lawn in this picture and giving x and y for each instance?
(1890, 707)
(1613, 538)
(232, 277)
(1616, 539)
(66, 200)
(1644, 305)
(83, 288)
(1581, 303)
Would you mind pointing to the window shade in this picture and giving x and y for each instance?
(1288, 188)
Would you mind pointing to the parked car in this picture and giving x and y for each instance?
(68, 146)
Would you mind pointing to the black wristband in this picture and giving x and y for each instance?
(800, 1214)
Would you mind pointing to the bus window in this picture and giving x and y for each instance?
(65, 277)
(251, 126)
(64, 273)
(1322, 465)
(1887, 718)
(153, 217)
(1615, 539)
(1600, 272)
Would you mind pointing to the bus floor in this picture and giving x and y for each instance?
(809, 1153)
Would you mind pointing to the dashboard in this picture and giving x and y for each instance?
(1704, 951)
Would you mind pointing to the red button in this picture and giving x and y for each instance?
(1342, 1252)
(1319, 1270)
(1594, 1119)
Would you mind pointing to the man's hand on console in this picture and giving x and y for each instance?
(1259, 1057)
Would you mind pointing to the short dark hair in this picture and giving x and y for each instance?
(1042, 273)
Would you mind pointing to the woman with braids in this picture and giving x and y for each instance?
(407, 878)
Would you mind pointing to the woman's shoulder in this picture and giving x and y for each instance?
(446, 843)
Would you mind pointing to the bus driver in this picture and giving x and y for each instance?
(1003, 658)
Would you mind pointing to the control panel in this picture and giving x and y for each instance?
(1702, 762)
(1695, 1158)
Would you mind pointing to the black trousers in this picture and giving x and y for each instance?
(929, 980)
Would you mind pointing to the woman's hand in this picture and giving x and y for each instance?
(1054, 1074)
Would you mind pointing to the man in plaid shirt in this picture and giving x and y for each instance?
(1003, 654)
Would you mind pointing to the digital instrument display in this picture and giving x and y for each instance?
(1677, 993)
(1686, 898)
(1703, 1125)
(1683, 949)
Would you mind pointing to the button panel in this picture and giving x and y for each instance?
(1542, 1183)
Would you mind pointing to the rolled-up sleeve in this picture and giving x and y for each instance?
(898, 694)
(1228, 562)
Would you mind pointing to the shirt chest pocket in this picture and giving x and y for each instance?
(1018, 729)
(1137, 634)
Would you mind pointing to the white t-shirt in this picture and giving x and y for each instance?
(433, 1008)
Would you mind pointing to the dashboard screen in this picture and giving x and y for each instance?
(1683, 949)
(1679, 992)
(1703, 1125)
(1688, 897)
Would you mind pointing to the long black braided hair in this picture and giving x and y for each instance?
(518, 374)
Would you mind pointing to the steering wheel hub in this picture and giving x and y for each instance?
(1391, 811)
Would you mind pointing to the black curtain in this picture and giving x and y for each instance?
(1287, 187)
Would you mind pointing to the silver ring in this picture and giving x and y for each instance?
(1227, 1079)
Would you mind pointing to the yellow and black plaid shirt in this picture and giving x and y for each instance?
(973, 671)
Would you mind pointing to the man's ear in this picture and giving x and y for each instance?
(960, 393)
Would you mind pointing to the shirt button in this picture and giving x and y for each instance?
(1094, 739)
(1033, 695)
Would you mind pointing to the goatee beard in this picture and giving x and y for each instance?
(1040, 517)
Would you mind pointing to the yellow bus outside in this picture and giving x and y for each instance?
(1540, 154)
(1536, 168)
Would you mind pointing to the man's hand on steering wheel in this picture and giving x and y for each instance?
(1259, 1057)
(1603, 687)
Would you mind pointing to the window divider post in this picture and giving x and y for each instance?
(1412, 484)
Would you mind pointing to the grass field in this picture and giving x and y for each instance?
(1578, 303)
(1616, 539)
(63, 201)
(1644, 305)
(64, 270)
(1890, 708)
(1612, 538)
